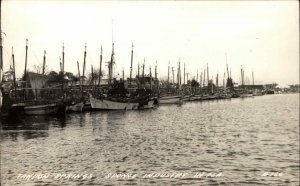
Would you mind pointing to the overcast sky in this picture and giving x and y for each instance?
(261, 36)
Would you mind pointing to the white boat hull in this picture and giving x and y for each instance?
(170, 100)
(112, 105)
(45, 109)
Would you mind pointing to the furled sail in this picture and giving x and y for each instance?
(37, 81)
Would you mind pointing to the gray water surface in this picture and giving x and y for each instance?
(251, 141)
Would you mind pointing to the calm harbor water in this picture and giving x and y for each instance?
(251, 141)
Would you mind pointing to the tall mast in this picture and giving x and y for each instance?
(197, 76)
(79, 76)
(1, 54)
(227, 66)
(224, 80)
(244, 83)
(100, 68)
(25, 69)
(179, 73)
(228, 76)
(150, 79)
(63, 59)
(131, 66)
(252, 79)
(200, 82)
(217, 79)
(84, 58)
(60, 65)
(156, 70)
(184, 73)
(143, 72)
(207, 75)
(44, 62)
(242, 77)
(138, 74)
(123, 74)
(92, 80)
(212, 84)
(187, 77)
(172, 75)
(110, 66)
(156, 81)
(14, 69)
(169, 72)
(204, 78)
(187, 80)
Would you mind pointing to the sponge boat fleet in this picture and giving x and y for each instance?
(59, 93)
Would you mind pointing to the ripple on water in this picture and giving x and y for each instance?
(242, 138)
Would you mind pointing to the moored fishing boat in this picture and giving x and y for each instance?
(257, 93)
(105, 104)
(112, 102)
(41, 109)
(170, 100)
(117, 96)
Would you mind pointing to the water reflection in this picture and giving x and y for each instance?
(107, 125)
(29, 127)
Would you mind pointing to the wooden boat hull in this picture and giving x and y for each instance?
(170, 100)
(45, 109)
